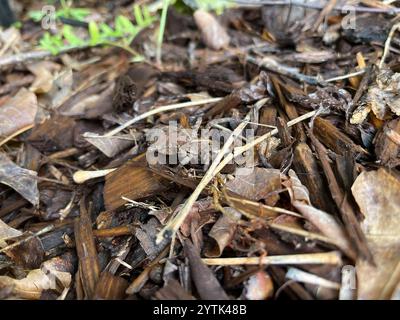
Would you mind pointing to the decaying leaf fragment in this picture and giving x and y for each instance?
(111, 146)
(51, 275)
(21, 180)
(387, 148)
(18, 112)
(382, 97)
(257, 184)
(222, 233)
(326, 223)
(7, 232)
(44, 77)
(213, 34)
(377, 193)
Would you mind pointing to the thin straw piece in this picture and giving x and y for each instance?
(332, 257)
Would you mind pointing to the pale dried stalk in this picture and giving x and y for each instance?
(36, 234)
(153, 112)
(306, 277)
(387, 44)
(81, 176)
(332, 257)
(302, 233)
(217, 165)
(17, 133)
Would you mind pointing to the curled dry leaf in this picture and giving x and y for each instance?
(222, 233)
(18, 112)
(381, 98)
(206, 283)
(21, 180)
(35, 283)
(44, 77)
(377, 193)
(213, 34)
(326, 223)
(386, 148)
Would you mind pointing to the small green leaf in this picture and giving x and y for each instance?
(36, 15)
(123, 26)
(137, 12)
(94, 33)
(69, 35)
(148, 19)
(49, 43)
(106, 31)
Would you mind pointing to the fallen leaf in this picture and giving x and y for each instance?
(7, 232)
(43, 71)
(34, 284)
(111, 146)
(381, 97)
(21, 180)
(213, 34)
(325, 222)
(18, 112)
(257, 184)
(377, 193)
(206, 283)
(222, 233)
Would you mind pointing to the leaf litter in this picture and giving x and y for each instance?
(252, 153)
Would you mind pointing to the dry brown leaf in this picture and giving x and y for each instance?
(7, 232)
(222, 233)
(21, 180)
(44, 78)
(111, 146)
(18, 112)
(35, 282)
(382, 97)
(258, 184)
(213, 34)
(325, 222)
(377, 193)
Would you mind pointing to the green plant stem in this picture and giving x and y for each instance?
(161, 30)
(126, 48)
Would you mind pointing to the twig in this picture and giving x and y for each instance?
(345, 76)
(153, 112)
(332, 257)
(40, 232)
(387, 44)
(317, 6)
(33, 55)
(306, 277)
(17, 133)
(275, 66)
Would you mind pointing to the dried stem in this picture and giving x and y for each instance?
(332, 257)
(153, 112)
(81, 176)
